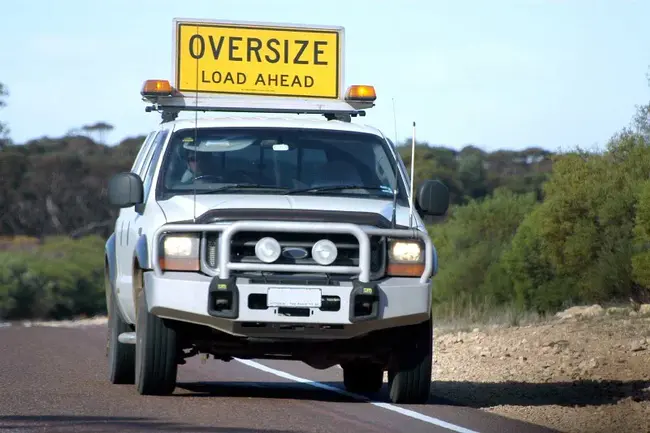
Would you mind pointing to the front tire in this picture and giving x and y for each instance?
(409, 379)
(155, 361)
(121, 357)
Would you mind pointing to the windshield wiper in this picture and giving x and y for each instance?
(238, 186)
(339, 187)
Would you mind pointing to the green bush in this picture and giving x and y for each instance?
(588, 241)
(641, 257)
(577, 247)
(59, 279)
(471, 279)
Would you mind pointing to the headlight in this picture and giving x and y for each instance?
(178, 246)
(405, 258)
(406, 251)
(180, 252)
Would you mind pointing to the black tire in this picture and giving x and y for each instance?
(409, 379)
(121, 357)
(155, 353)
(362, 377)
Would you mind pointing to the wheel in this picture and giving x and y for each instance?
(362, 377)
(121, 357)
(409, 378)
(155, 353)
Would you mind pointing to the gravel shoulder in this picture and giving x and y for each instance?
(585, 371)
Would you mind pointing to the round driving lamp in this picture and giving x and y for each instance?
(324, 252)
(267, 250)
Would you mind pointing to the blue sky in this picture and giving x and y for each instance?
(497, 74)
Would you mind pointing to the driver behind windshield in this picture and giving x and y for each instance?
(197, 161)
(198, 164)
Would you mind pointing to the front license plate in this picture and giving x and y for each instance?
(293, 297)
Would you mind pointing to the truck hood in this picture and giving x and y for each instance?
(180, 208)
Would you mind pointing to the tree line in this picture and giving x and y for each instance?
(527, 230)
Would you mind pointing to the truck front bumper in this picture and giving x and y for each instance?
(191, 298)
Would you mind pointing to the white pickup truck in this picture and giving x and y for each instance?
(271, 238)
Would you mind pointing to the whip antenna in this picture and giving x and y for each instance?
(196, 142)
(395, 121)
(412, 177)
(394, 216)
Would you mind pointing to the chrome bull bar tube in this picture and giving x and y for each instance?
(301, 227)
(228, 231)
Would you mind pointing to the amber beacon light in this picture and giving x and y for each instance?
(156, 87)
(361, 93)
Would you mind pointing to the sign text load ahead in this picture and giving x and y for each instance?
(248, 59)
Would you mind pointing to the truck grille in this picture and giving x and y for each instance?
(242, 249)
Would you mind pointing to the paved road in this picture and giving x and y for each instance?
(54, 380)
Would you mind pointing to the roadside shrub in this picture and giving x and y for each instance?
(471, 279)
(641, 256)
(61, 278)
(577, 247)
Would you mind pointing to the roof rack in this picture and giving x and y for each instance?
(170, 102)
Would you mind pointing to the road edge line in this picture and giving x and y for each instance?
(406, 412)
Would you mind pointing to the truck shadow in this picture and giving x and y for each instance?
(66, 423)
(263, 390)
(450, 393)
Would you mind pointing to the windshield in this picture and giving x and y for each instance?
(278, 161)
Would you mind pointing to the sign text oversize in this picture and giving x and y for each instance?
(258, 60)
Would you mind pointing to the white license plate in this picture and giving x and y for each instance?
(293, 297)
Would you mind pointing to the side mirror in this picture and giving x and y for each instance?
(433, 198)
(125, 190)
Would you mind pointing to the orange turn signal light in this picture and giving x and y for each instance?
(405, 269)
(180, 264)
(361, 93)
(156, 87)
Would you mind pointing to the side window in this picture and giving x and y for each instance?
(400, 161)
(407, 179)
(157, 147)
(143, 151)
(144, 164)
(383, 167)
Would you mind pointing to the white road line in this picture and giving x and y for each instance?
(388, 406)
